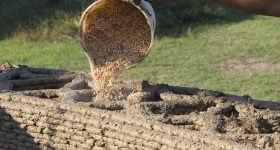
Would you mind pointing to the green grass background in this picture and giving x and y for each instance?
(192, 40)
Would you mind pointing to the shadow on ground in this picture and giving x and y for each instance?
(27, 14)
(179, 16)
(173, 17)
(12, 135)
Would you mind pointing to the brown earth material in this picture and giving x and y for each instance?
(115, 35)
(249, 66)
(142, 116)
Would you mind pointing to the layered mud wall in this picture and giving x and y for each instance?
(38, 113)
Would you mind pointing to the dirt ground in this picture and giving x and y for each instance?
(248, 66)
(214, 119)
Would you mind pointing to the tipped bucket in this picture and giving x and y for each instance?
(117, 32)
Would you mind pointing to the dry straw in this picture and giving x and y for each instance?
(115, 35)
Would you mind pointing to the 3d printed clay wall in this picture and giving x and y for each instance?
(152, 117)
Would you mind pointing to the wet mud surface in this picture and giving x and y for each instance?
(162, 116)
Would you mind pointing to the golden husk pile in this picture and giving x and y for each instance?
(116, 36)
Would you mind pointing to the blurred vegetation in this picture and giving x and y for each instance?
(193, 39)
(176, 16)
(54, 20)
(39, 19)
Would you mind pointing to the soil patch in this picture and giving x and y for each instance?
(249, 66)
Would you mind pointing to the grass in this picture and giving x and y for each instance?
(63, 54)
(194, 59)
(191, 58)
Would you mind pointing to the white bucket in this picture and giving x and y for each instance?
(142, 5)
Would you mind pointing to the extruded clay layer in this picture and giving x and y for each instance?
(143, 116)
